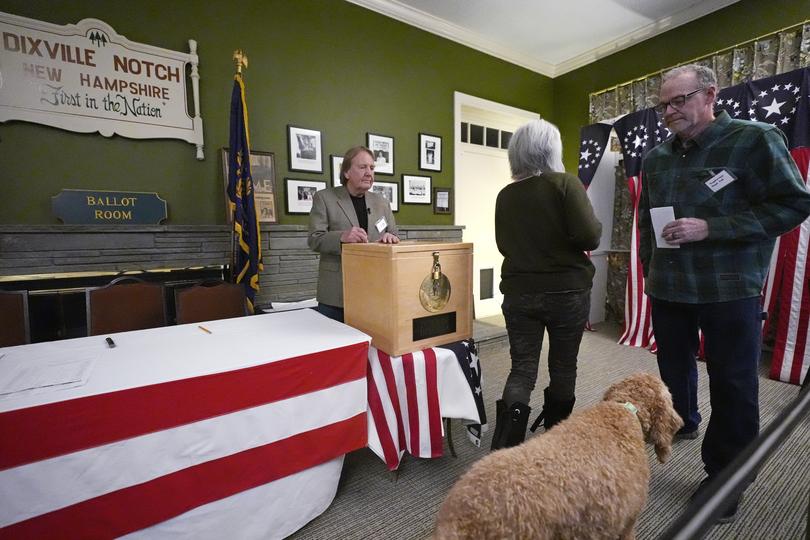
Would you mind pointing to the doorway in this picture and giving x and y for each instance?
(482, 129)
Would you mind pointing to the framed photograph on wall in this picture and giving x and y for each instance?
(430, 152)
(416, 189)
(335, 163)
(304, 149)
(389, 190)
(382, 147)
(300, 194)
(442, 200)
(263, 173)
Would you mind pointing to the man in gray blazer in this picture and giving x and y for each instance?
(349, 213)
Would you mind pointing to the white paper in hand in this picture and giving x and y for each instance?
(660, 217)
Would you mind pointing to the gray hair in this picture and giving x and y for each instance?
(535, 148)
(705, 76)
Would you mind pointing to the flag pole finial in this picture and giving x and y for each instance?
(241, 60)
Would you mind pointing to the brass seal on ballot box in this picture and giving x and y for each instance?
(434, 293)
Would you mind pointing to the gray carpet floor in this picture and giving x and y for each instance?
(374, 503)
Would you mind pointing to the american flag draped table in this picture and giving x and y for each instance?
(178, 432)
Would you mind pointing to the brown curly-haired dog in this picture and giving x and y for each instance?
(585, 478)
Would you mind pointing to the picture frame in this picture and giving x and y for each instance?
(299, 194)
(335, 163)
(382, 146)
(430, 152)
(304, 149)
(389, 190)
(263, 174)
(442, 200)
(416, 189)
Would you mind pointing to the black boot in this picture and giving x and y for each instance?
(519, 419)
(510, 424)
(554, 411)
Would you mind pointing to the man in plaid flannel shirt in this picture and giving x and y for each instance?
(733, 188)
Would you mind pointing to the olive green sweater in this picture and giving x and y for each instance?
(543, 226)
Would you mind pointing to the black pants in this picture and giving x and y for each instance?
(732, 334)
(563, 315)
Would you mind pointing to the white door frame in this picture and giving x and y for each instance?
(497, 109)
(460, 99)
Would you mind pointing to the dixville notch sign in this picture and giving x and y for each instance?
(85, 77)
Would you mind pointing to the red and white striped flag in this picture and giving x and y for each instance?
(637, 317)
(404, 420)
(790, 360)
(638, 133)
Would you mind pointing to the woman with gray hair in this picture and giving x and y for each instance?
(544, 223)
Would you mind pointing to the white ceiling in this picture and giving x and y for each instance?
(550, 37)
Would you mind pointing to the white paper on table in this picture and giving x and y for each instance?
(660, 217)
(35, 374)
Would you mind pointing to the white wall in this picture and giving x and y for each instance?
(601, 193)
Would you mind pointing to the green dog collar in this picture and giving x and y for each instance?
(630, 407)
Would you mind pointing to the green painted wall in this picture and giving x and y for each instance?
(743, 21)
(321, 64)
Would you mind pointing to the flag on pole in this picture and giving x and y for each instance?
(247, 256)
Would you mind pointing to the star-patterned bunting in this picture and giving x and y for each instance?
(638, 133)
(467, 355)
(593, 140)
(780, 101)
(662, 132)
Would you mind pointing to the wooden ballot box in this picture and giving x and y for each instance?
(394, 293)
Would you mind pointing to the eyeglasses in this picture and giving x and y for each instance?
(677, 102)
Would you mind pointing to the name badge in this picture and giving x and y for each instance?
(381, 225)
(720, 180)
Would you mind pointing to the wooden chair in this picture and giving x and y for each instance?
(127, 303)
(14, 327)
(209, 301)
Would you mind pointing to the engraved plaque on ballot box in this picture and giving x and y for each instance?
(408, 296)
